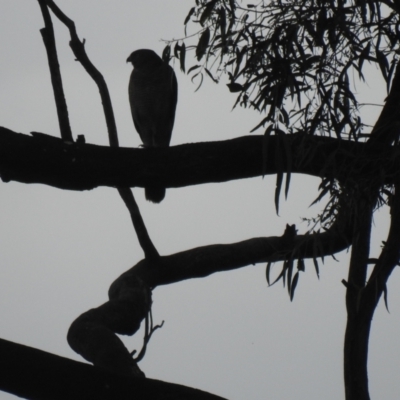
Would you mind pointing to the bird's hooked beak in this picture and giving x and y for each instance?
(129, 59)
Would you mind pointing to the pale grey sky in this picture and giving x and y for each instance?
(229, 333)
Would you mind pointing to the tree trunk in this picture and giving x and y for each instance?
(356, 356)
(358, 317)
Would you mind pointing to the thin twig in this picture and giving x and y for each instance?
(147, 245)
(50, 44)
(148, 332)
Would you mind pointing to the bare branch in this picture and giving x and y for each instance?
(79, 50)
(56, 80)
(147, 245)
(390, 255)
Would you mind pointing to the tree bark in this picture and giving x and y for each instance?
(358, 321)
(78, 166)
(356, 356)
(37, 375)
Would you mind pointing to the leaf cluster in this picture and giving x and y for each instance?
(293, 262)
(299, 63)
(295, 60)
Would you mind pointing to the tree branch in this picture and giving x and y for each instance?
(206, 260)
(34, 374)
(47, 160)
(390, 255)
(150, 251)
(56, 81)
(92, 334)
(78, 49)
(386, 128)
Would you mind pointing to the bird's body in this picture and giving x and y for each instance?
(153, 95)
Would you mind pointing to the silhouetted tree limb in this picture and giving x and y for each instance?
(79, 50)
(357, 328)
(362, 299)
(93, 334)
(144, 239)
(203, 261)
(56, 80)
(390, 256)
(34, 374)
(47, 160)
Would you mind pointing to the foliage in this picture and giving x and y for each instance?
(299, 64)
(295, 60)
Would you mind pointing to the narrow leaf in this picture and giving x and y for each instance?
(267, 134)
(279, 172)
(383, 64)
(278, 187)
(234, 87)
(182, 57)
(267, 272)
(294, 284)
(385, 297)
(177, 50)
(193, 68)
(166, 54)
(190, 13)
(208, 9)
(289, 160)
(363, 56)
(289, 274)
(203, 44)
(222, 23)
(201, 81)
(300, 265)
(281, 275)
(210, 75)
(316, 266)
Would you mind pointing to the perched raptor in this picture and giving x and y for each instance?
(153, 93)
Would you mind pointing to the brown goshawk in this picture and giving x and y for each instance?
(153, 94)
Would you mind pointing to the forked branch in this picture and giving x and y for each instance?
(79, 51)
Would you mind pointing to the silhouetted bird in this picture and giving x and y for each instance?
(153, 94)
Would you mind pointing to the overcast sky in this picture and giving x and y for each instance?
(59, 250)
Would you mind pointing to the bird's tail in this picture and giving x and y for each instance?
(154, 194)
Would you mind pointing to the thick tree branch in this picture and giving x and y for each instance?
(357, 328)
(34, 374)
(92, 334)
(206, 260)
(47, 160)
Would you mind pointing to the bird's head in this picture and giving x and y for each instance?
(144, 58)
